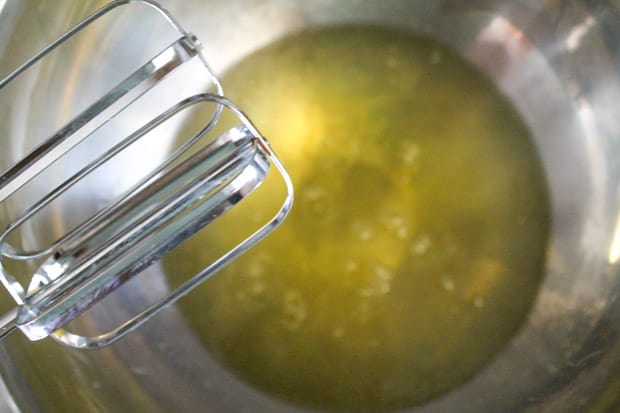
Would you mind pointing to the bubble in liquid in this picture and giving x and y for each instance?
(256, 269)
(379, 284)
(314, 193)
(421, 245)
(448, 284)
(410, 153)
(350, 266)
(294, 310)
(363, 230)
(257, 289)
(395, 223)
(316, 197)
(401, 233)
(383, 273)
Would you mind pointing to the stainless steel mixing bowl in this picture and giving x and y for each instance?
(559, 63)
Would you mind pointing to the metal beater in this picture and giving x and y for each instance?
(187, 192)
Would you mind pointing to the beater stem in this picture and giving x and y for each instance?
(7, 324)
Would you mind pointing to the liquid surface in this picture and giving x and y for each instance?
(416, 244)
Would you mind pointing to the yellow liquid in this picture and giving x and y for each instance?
(416, 244)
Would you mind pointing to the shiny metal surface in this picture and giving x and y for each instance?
(558, 61)
(132, 232)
